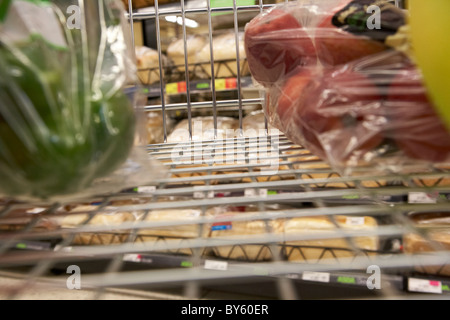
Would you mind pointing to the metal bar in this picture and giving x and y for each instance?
(186, 70)
(131, 18)
(250, 270)
(178, 11)
(205, 104)
(213, 74)
(161, 74)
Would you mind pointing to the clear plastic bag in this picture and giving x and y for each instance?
(340, 79)
(68, 113)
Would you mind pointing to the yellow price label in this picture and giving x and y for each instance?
(221, 84)
(172, 88)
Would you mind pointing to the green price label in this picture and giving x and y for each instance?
(347, 280)
(202, 85)
(21, 246)
(228, 4)
(186, 264)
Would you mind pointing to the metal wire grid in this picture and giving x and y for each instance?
(34, 242)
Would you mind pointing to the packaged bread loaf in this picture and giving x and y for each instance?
(17, 218)
(326, 244)
(155, 126)
(262, 148)
(176, 52)
(254, 125)
(441, 179)
(432, 235)
(87, 215)
(248, 227)
(225, 56)
(188, 228)
(147, 62)
(315, 168)
(203, 129)
(223, 152)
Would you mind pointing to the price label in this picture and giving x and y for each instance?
(426, 286)
(249, 192)
(422, 197)
(36, 210)
(354, 221)
(132, 257)
(220, 84)
(203, 194)
(176, 87)
(147, 189)
(172, 88)
(226, 84)
(231, 83)
(62, 248)
(216, 265)
(254, 193)
(316, 276)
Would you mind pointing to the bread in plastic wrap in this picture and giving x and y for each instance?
(203, 129)
(248, 227)
(254, 125)
(90, 216)
(147, 62)
(176, 52)
(155, 127)
(328, 242)
(188, 228)
(18, 218)
(432, 234)
(225, 56)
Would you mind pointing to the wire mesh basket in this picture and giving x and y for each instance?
(236, 210)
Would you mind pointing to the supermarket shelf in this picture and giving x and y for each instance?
(198, 86)
(309, 284)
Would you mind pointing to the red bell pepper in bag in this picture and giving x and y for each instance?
(335, 84)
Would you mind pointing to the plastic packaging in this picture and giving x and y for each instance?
(67, 114)
(155, 127)
(433, 236)
(225, 58)
(203, 129)
(82, 216)
(339, 79)
(176, 51)
(147, 61)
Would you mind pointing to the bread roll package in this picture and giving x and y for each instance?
(176, 52)
(330, 245)
(155, 127)
(87, 215)
(254, 125)
(241, 229)
(203, 129)
(147, 62)
(189, 228)
(432, 234)
(225, 56)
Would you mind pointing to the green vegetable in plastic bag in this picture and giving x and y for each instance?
(65, 119)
